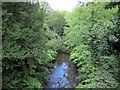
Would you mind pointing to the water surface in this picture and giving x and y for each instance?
(63, 74)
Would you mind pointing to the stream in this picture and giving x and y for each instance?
(63, 74)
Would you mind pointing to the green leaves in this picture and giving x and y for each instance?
(92, 36)
(80, 54)
(52, 54)
(99, 79)
(56, 22)
(32, 82)
(29, 43)
(24, 45)
(109, 62)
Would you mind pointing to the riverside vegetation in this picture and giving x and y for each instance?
(32, 35)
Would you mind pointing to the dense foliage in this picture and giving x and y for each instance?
(93, 36)
(32, 37)
(56, 22)
(25, 59)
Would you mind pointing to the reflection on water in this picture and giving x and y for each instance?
(64, 73)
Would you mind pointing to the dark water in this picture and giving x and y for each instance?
(63, 74)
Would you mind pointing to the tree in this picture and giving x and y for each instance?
(87, 37)
(24, 58)
(56, 22)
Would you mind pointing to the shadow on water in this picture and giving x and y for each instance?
(63, 74)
